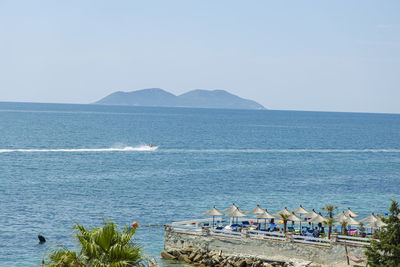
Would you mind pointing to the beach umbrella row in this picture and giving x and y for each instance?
(346, 216)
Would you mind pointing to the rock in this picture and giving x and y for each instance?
(266, 264)
(186, 251)
(224, 262)
(209, 262)
(197, 258)
(192, 255)
(241, 263)
(174, 252)
(216, 258)
(184, 258)
(165, 255)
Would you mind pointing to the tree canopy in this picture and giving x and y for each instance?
(386, 251)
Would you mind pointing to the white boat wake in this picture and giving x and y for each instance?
(111, 149)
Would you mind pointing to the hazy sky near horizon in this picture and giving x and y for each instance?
(295, 55)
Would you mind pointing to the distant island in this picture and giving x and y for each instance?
(156, 97)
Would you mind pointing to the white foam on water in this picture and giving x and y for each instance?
(111, 149)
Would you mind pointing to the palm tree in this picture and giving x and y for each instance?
(330, 223)
(344, 228)
(285, 219)
(330, 212)
(103, 246)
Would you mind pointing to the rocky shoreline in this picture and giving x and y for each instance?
(204, 258)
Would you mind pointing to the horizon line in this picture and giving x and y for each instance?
(260, 110)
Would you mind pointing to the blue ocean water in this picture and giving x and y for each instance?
(61, 164)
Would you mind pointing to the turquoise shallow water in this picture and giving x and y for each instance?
(61, 164)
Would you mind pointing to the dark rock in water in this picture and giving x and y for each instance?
(41, 239)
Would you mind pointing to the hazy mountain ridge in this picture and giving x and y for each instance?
(156, 97)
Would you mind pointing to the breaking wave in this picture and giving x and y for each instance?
(111, 149)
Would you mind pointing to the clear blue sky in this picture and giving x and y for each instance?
(297, 55)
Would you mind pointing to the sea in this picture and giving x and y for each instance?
(62, 164)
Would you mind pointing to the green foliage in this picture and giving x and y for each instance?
(386, 251)
(105, 246)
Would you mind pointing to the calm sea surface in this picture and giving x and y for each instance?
(61, 164)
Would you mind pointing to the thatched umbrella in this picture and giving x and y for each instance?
(340, 216)
(265, 215)
(318, 219)
(287, 217)
(351, 213)
(373, 221)
(256, 210)
(377, 224)
(213, 212)
(232, 209)
(370, 219)
(236, 213)
(348, 220)
(351, 221)
(284, 212)
(300, 210)
(311, 214)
